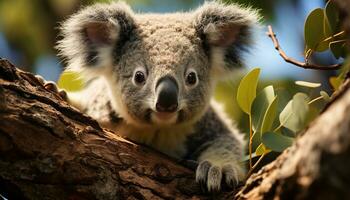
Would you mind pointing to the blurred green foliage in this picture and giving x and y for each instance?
(32, 25)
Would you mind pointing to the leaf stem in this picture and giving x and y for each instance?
(255, 165)
(314, 100)
(332, 36)
(276, 129)
(250, 141)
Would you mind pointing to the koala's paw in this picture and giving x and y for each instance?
(52, 86)
(211, 175)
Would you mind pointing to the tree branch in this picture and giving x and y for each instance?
(288, 59)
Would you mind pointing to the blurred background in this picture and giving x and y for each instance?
(28, 32)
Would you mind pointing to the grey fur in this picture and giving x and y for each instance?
(108, 43)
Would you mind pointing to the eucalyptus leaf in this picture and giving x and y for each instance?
(325, 96)
(294, 115)
(261, 149)
(260, 105)
(70, 81)
(247, 90)
(314, 30)
(286, 132)
(300, 108)
(332, 17)
(308, 84)
(286, 113)
(323, 45)
(276, 142)
(312, 114)
(269, 116)
(328, 32)
(335, 82)
(338, 48)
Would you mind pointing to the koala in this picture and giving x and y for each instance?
(150, 77)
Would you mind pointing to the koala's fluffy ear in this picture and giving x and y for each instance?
(91, 37)
(227, 32)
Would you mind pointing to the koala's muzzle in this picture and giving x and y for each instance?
(167, 94)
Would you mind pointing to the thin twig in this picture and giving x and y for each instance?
(304, 65)
(255, 165)
(314, 100)
(250, 142)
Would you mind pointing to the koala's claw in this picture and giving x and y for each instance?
(210, 176)
(52, 86)
(231, 175)
(40, 79)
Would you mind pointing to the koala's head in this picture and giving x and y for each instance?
(161, 69)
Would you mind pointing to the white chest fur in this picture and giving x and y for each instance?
(169, 140)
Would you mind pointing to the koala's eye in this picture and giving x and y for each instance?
(139, 77)
(191, 78)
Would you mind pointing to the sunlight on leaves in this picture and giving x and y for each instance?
(247, 90)
(269, 116)
(314, 30)
(294, 115)
(260, 105)
(261, 149)
(308, 84)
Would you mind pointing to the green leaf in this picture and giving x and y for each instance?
(325, 96)
(323, 45)
(335, 82)
(286, 132)
(314, 30)
(286, 113)
(70, 81)
(269, 116)
(326, 28)
(338, 48)
(300, 108)
(261, 149)
(308, 84)
(332, 18)
(312, 114)
(276, 142)
(247, 90)
(260, 105)
(294, 115)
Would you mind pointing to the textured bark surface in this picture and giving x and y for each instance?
(49, 150)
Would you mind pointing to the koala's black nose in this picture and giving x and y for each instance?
(167, 92)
